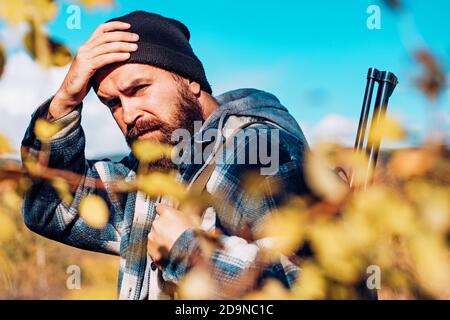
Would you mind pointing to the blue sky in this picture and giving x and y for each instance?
(313, 55)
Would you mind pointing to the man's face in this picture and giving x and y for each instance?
(147, 102)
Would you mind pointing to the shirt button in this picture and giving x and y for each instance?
(153, 266)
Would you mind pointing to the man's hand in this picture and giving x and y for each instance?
(166, 229)
(105, 46)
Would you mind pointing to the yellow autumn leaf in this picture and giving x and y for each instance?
(359, 229)
(63, 189)
(354, 163)
(408, 163)
(436, 212)
(46, 51)
(7, 228)
(194, 209)
(433, 203)
(197, 284)
(60, 54)
(272, 290)
(311, 285)
(93, 3)
(17, 11)
(5, 146)
(321, 178)
(282, 232)
(398, 217)
(10, 200)
(45, 130)
(43, 10)
(36, 43)
(158, 183)
(384, 210)
(430, 255)
(341, 292)
(335, 252)
(94, 211)
(388, 129)
(149, 151)
(382, 251)
(13, 11)
(397, 279)
(33, 167)
(25, 183)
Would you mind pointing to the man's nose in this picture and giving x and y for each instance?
(131, 111)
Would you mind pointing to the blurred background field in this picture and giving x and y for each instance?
(38, 270)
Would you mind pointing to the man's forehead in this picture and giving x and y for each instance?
(114, 71)
(130, 72)
(102, 73)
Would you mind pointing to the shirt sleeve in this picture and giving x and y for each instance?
(43, 210)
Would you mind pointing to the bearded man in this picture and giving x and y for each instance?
(142, 67)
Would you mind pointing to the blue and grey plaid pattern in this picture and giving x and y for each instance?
(132, 214)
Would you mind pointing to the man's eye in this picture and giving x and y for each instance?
(138, 88)
(112, 103)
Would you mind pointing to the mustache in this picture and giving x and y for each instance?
(142, 127)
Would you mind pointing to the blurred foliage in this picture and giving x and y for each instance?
(94, 211)
(433, 80)
(95, 3)
(36, 14)
(32, 267)
(401, 223)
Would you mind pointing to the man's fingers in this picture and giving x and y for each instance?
(152, 248)
(114, 25)
(109, 26)
(113, 36)
(108, 58)
(114, 47)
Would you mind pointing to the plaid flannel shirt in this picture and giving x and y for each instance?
(131, 215)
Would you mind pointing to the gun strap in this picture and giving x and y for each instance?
(200, 183)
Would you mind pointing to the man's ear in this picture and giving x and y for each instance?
(195, 87)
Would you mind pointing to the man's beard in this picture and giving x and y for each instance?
(188, 111)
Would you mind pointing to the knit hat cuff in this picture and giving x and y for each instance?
(171, 60)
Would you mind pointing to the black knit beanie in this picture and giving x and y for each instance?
(164, 43)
